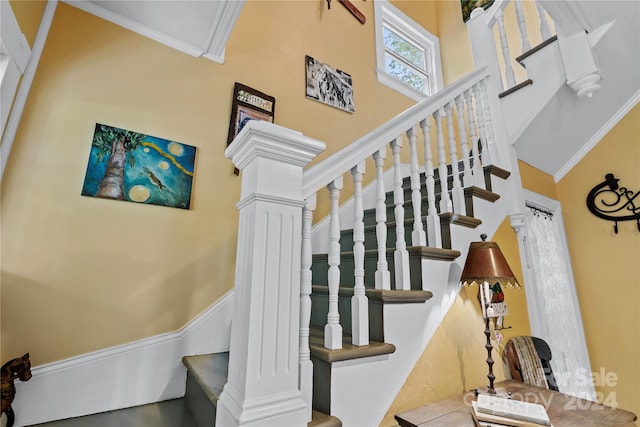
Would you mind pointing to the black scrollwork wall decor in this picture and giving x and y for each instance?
(612, 202)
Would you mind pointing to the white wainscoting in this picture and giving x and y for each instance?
(145, 371)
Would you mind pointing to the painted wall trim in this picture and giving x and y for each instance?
(15, 116)
(145, 371)
(213, 48)
(593, 141)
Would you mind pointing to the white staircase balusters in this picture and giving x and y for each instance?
(359, 301)
(545, 31)
(467, 174)
(383, 277)
(491, 156)
(418, 237)
(480, 120)
(333, 329)
(434, 233)
(401, 255)
(506, 55)
(445, 200)
(457, 193)
(522, 26)
(478, 173)
(305, 379)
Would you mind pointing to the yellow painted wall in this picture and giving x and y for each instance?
(606, 265)
(81, 274)
(455, 46)
(29, 14)
(454, 360)
(537, 181)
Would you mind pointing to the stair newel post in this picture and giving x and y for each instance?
(478, 175)
(418, 238)
(446, 204)
(264, 346)
(434, 232)
(506, 55)
(305, 379)
(359, 301)
(545, 31)
(467, 174)
(457, 193)
(522, 26)
(333, 329)
(401, 255)
(383, 277)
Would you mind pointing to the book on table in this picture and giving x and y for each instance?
(489, 420)
(513, 409)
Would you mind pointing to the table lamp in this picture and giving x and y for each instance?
(485, 266)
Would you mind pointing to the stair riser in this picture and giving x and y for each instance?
(320, 307)
(201, 407)
(320, 268)
(371, 238)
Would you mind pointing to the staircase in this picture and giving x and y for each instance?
(369, 301)
(207, 374)
(330, 318)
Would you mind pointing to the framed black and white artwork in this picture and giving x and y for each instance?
(329, 85)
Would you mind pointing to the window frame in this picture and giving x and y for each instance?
(397, 21)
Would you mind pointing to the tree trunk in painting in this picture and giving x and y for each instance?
(112, 184)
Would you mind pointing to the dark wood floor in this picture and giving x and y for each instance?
(171, 413)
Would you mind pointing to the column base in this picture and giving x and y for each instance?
(283, 410)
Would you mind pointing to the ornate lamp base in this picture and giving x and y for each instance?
(497, 393)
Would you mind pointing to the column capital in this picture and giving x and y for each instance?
(260, 139)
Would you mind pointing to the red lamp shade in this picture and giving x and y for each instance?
(486, 263)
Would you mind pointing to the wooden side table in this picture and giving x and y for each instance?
(563, 410)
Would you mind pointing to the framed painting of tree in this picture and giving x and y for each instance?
(134, 167)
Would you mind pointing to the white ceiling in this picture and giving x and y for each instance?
(196, 27)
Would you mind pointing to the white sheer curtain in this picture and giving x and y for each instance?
(556, 316)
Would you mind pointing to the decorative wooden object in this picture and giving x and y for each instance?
(352, 9)
(19, 368)
(612, 202)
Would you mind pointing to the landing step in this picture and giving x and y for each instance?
(170, 413)
(206, 377)
(348, 350)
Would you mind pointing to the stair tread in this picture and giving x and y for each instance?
(466, 221)
(535, 49)
(515, 88)
(497, 171)
(320, 419)
(210, 371)
(386, 296)
(426, 252)
(348, 350)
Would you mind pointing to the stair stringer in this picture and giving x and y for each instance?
(362, 390)
(545, 69)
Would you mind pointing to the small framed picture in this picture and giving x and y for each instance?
(249, 104)
(329, 85)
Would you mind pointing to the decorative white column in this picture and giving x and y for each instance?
(262, 388)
